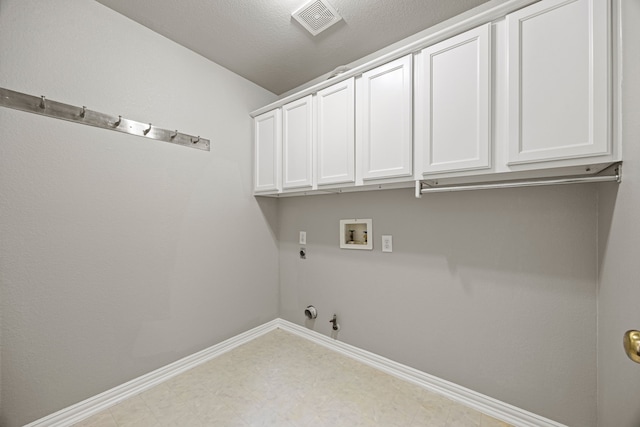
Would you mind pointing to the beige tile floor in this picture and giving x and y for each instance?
(280, 379)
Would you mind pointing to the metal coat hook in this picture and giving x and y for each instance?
(82, 115)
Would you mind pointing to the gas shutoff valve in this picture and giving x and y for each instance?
(334, 320)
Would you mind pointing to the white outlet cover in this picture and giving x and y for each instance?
(303, 237)
(387, 243)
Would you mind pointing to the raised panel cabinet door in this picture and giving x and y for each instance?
(386, 120)
(558, 80)
(267, 151)
(297, 143)
(453, 103)
(335, 145)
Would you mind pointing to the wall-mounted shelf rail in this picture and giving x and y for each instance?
(424, 187)
(41, 105)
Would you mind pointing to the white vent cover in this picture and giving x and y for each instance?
(316, 16)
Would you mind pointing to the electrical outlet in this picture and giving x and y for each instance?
(387, 244)
(303, 237)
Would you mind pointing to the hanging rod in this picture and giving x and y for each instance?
(423, 187)
(41, 105)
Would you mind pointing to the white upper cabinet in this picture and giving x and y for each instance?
(526, 95)
(267, 154)
(558, 81)
(297, 143)
(335, 144)
(385, 120)
(453, 103)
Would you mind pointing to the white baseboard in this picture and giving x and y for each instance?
(485, 404)
(68, 416)
(492, 407)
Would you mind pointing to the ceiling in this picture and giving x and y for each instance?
(259, 40)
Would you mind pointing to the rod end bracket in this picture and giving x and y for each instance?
(418, 189)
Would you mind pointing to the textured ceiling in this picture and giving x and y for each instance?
(259, 40)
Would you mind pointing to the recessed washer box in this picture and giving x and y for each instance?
(356, 234)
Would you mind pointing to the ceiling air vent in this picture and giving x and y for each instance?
(316, 16)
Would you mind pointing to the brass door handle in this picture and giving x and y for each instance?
(632, 345)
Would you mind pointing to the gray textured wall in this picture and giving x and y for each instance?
(492, 290)
(619, 237)
(120, 254)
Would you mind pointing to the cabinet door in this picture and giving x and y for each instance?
(297, 143)
(558, 80)
(267, 154)
(453, 103)
(335, 145)
(385, 104)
